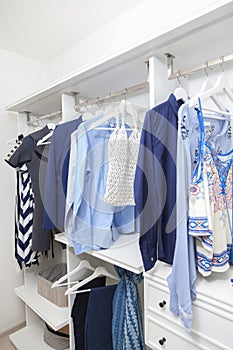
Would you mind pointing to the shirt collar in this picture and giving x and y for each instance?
(175, 104)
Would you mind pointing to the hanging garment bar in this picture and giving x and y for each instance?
(174, 75)
(112, 95)
(46, 116)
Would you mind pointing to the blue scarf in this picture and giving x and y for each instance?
(127, 330)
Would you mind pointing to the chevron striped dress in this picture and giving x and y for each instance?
(24, 220)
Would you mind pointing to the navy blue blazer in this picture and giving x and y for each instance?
(155, 183)
(57, 175)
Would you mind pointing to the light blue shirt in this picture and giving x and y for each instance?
(182, 280)
(90, 222)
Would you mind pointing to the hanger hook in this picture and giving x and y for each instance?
(97, 101)
(221, 63)
(125, 93)
(110, 98)
(177, 77)
(206, 66)
(85, 104)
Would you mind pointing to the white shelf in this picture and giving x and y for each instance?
(30, 337)
(61, 237)
(48, 98)
(55, 316)
(124, 253)
(108, 73)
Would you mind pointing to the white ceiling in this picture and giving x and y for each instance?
(43, 29)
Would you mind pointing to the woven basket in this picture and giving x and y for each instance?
(56, 339)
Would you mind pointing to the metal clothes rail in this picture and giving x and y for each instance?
(46, 116)
(77, 106)
(172, 75)
(111, 95)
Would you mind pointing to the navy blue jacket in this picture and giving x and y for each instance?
(57, 175)
(155, 183)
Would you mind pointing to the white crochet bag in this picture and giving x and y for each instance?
(122, 160)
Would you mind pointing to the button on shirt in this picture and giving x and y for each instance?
(155, 183)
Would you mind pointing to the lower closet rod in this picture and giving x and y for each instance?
(49, 116)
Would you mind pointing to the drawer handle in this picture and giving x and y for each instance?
(162, 303)
(162, 341)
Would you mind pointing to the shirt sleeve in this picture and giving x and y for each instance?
(75, 183)
(20, 154)
(146, 195)
(80, 168)
(50, 190)
(181, 281)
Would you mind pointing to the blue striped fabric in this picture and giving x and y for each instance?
(24, 221)
(127, 329)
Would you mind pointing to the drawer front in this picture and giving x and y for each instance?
(213, 324)
(157, 299)
(160, 336)
(207, 319)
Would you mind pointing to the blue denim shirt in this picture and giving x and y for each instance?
(91, 223)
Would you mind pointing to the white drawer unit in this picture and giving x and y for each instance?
(212, 322)
(161, 336)
(157, 299)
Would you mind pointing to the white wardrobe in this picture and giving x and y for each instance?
(204, 39)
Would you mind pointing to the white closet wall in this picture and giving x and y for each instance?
(19, 76)
(148, 19)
